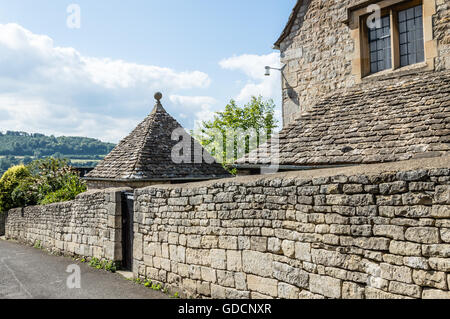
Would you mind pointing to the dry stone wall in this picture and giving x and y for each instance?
(89, 226)
(374, 231)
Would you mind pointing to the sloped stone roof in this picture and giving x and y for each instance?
(390, 120)
(145, 154)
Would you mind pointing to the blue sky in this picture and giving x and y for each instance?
(99, 80)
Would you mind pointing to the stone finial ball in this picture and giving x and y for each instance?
(158, 96)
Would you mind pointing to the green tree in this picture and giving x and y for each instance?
(10, 180)
(41, 182)
(237, 130)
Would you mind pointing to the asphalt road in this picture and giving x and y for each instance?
(29, 273)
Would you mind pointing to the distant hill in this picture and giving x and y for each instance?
(22, 147)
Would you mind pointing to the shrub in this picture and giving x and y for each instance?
(41, 182)
(10, 180)
(71, 187)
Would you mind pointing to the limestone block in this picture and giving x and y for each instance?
(286, 291)
(183, 270)
(405, 248)
(173, 238)
(240, 280)
(209, 241)
(257, 263)
(305, 294)
(390, 231)
(274, 245)
(263, 285)
(228, 242)
(181, 201)
(194, 241)
(440, 211)
(405, 289)
(416, 262)
(258, 296)
(372, 243)
(393, 259)
(225, 278)
(351, 290)
(442, 195)
(152, 273)
(373, 293)
(181, 254)
(198, 257)
(191, 286)
(288, 248)
(328, 258)
(165, 264)
(258, 243)
(218, 258)
(435, 294)
(437, 250)
(417, 199)
(425, 235)
(208, 274)
(393, 188)
(445, 235)
(352, 188)
(324, 285)
(378, 283)
(434, 279)
(291, 275)
(440, 264)
(165, 250)
(234, 260)
(397, 273)
(243, 242)
(231, 293)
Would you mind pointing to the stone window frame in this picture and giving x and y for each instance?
(356, 17)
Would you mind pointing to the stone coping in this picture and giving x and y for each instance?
(366, 169)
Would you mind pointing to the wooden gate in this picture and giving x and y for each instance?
(127, 230)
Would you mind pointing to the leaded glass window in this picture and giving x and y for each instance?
(410, 28)
(380, 46)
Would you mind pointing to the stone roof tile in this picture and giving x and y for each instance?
(389, 121)
(146, 154)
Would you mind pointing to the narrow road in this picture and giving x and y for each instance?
(29, 273)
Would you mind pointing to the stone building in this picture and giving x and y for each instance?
(326, 46)
(145, 157)
(358, 89)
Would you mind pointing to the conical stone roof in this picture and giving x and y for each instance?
(146, 154)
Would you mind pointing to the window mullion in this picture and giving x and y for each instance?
(395, 47)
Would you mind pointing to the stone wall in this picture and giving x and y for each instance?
(89, 226)
(93, 184)
(373, 231)
(319, 52)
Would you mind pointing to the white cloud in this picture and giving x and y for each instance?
(253, 66)
(50, 89)
(38, 116)
(200, 106)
